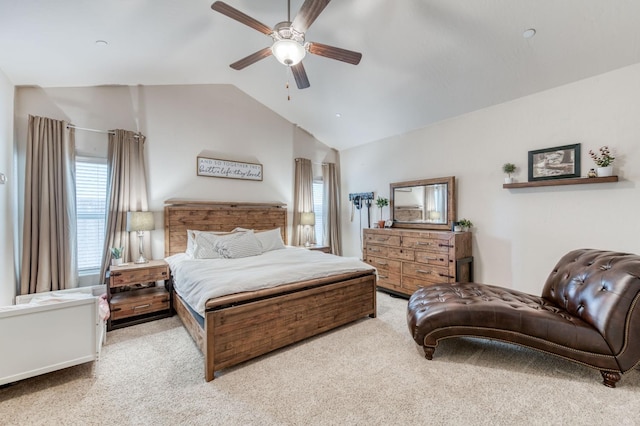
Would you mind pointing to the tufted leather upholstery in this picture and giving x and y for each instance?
(589, 312)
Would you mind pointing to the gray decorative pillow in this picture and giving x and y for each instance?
(240, 244)
(205, 246)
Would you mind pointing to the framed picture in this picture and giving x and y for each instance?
(215, 167)
(559, 162)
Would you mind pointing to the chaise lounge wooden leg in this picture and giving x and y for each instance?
(610, 378)
(428, 352)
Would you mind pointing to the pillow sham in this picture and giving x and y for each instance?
(270, 240)
(241, 244)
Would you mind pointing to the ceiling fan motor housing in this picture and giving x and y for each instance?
(288, 46)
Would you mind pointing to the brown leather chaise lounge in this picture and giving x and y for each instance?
(589, 313)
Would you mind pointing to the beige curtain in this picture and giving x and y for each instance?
(49, 234)
(331, 211)
(302, 200)
(127, 191)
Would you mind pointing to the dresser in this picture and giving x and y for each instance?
(407, 259)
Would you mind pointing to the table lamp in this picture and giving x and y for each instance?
(140, 222)
(307, 219)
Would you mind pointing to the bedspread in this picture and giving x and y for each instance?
(198, 280)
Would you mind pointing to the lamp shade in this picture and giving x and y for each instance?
(140, 221)
(288, 52)
(308, 218)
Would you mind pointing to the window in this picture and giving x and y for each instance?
(91, 200)
(318, 206)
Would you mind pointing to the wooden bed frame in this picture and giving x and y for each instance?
(245, 325)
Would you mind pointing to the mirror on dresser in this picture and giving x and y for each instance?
(424, 203)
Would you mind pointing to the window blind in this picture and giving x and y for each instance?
(91, 200)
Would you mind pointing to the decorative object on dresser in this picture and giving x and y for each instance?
(140, 222)
(559, 162)
(424, 204)
(133, 295)
(588, 312)
(381, 202)
(407, 259)
(465, 224)
(604, 161)
(508, 168)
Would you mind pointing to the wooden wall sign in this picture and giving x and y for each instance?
(214, 167)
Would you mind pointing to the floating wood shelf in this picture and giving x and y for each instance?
(558, 182)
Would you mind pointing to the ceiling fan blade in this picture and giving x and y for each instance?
(300, 75)
(251, 59)
(337, 53)
(308, 13)
(233, 13)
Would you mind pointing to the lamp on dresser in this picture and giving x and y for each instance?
(140, 222)
(307, 219)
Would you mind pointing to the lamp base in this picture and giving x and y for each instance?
(141, 259)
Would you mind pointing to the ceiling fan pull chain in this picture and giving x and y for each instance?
(287, 85)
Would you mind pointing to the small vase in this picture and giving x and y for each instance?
(381, 224)
(508, 180)
(116, 262)
(605, 171)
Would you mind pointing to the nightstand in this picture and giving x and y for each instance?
(317, 247)
(133, 296)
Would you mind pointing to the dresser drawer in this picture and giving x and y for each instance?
(431, 273)
(376, 250)
(400, 253)
(132, 303)
(432, 258)
(390, 240)
(430, 244)
(411, 284)
(388, 279)
(391, 266)
(136, 276)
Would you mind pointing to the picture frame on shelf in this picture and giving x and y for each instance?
(560, 162)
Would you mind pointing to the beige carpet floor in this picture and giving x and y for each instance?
(367, 373)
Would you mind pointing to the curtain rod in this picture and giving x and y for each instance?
(71, 126)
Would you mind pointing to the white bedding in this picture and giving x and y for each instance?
(198, 280)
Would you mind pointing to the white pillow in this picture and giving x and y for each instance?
(191, 241)
(241, 244)
(270, 240)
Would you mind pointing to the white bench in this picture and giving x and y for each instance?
(44, 332)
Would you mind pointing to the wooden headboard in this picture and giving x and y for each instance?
(180, 215)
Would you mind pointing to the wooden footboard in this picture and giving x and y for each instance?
(238, 332)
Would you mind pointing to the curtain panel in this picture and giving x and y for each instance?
(126, 191)
(331, 211)
(302, 201)
(49, 248)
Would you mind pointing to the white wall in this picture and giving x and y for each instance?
(181, 123)
(7, 206)
(520, 234)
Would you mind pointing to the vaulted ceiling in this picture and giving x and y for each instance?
(423, 60)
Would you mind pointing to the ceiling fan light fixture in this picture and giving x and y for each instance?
(288, 52)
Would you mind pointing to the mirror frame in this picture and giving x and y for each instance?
(451, 202)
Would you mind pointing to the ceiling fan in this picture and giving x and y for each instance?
(289, 46)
